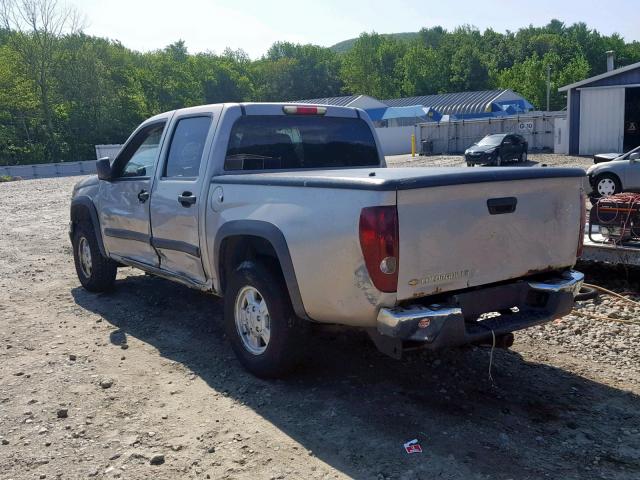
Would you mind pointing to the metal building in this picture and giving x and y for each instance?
(603, 112)
(469, 104)
(445, 106)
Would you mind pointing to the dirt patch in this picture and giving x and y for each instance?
(140, 383)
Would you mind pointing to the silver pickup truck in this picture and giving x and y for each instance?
(290, 214)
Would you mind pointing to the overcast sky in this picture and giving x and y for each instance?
(253, 25)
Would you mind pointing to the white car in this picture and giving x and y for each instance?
(615, 176)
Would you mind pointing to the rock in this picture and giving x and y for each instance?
(157, 459)
(43, 430)
(106, 383)
(124, 346)
(72, 357)
(5, 441)
(211, 449)
(62, 413)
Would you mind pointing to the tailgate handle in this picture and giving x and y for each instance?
(499, 206)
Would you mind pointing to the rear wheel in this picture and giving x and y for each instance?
(523, 156)
(95, 272)
(607, 184)
(498, 161)
(265, 334)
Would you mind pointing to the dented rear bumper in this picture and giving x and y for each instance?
(463, 319)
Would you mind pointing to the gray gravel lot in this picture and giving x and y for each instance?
(535, 159)
(145, 372)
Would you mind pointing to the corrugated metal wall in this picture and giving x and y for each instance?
(601, 120)
(396, 140)
(457, 136)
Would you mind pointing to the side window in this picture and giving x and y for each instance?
(187, 145)
(138, 159)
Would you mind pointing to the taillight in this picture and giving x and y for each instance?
(583, 219)
(379, 243)
(304, 110)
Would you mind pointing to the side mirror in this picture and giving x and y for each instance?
(103, 167)
(634, 157)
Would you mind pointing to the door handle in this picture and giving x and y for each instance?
(143, 196)
(500, 206)
(187, 199)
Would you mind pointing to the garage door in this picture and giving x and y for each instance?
(601, 120)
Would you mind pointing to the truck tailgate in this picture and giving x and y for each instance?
(459, 236)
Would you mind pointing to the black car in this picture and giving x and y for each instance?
(497, 149)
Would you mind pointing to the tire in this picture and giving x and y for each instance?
(268, 348)
(606, 184)
(498, 161)
(523, 156)
(586, 293)
(95, 272)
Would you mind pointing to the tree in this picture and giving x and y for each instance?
(372, 66)
(529, 78)
(290, 71)
(421, 71)
(37, 25)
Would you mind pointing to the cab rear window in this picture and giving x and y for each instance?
(263, 142)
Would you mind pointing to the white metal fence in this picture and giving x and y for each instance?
(396, 140)
(109, 150)
(456, 136)
(48, 170)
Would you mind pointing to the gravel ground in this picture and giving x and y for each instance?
(140, 383)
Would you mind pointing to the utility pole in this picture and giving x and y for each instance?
(548, 85)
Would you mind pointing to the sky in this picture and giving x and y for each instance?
(253, 25)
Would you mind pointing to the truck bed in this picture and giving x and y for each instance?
(449, 237)
(386, 179)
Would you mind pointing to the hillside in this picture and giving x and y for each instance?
(345, 45)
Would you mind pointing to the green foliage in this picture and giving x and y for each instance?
(61, 97)
(346, 45)
(372, 68)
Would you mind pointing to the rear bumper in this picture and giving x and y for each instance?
(460, 321)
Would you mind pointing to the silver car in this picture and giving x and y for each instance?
(621, 174)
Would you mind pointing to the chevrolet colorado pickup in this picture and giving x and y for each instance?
(290, 214)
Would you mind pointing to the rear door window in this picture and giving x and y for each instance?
(187, 146)
(262, 142)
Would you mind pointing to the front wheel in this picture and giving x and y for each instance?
(498, 161)
(265, 334)
(95, 272)
(607, 184)
(523, 156)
